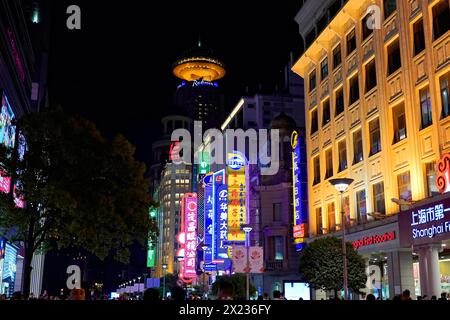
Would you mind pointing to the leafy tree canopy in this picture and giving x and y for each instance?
(321, 265)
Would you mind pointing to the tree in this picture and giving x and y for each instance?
(79, 189)
(321, 266)
(239, 282)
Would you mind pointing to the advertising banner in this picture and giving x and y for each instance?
(209, 217)
(239, 259)
(425, 224)
(256, 260)
(237, 193)
(190, 228)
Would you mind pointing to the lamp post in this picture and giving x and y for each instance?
(342, 185)
(204, 248)
(139, 285)
(247, 229)
(164, 266)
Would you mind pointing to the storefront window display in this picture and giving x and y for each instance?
(444, 269)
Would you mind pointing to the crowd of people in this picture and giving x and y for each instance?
(406, 295)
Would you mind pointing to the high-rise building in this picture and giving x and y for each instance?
(377, 86)
(24, 48)
(199, 91)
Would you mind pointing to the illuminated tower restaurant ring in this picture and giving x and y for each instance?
(199, 63)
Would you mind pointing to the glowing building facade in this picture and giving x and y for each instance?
(378, 109)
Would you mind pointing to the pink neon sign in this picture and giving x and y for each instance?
(16, 55)
(190, 229)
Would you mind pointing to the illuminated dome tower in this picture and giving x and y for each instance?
(199, 92)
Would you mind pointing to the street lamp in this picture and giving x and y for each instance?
(164, 266)
(139, 285)
(204, 248)
(247, 229)
(342, 185)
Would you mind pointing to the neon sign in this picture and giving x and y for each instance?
(300, 214)
(189, 205)
(15, 54)
(237, 194)
(443, 173)
(375, 239)
(208, 217)
(199, 83)
(221, 216)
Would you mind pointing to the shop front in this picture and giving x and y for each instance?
(389, 264)
(426, 229)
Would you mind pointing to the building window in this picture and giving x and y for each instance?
(319, 223)
(277, 212)
(394, 58)
(404, 188)
(331, 218)
(342, 147)
(361, 209)
(371, 76)
(445, 94)
(337, 57)
(316, 170)
(419, 37)
(375, 137)
(425, 107)
(324, 69)
(389, 7)
(354, 90)
(378, 198)
(441, 19)
(351, 42)
(339, 101)
(312, 81)
(251, 106)
(357, 147)
(314, 121)
(366, 31)
(430, 175)
(326, 112)
(399, 118)
(329, 163)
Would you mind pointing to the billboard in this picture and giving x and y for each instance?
(189, 207)
(7, 130)
(151, 250)
(299, 190)
(208, 217)
(220, 249)
(9, 270)
(237, 194)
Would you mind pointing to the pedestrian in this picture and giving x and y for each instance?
(277, 295)
(177, 294)
(2, 297)
(75, 294)
(225, 291)
(266, 296)
(406, 295)
(443, 296)
(151, 295)
(433, 298)
(370, 297)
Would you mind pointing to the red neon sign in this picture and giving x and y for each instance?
(375, 239)
(443, 173)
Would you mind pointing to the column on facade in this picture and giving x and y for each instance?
(400, 273)
(434, 275)
(423, 269)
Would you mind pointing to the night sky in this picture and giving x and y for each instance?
(116, 71)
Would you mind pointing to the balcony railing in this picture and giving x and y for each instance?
(274, 265)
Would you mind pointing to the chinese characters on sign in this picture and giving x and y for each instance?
(208, 217)
(237, 212)
(300, 214)
(222, 221)
(423, 224)
(190, 228)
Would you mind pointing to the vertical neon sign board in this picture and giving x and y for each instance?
(220, 215)
(151, 252)
(298, 192)
(190, 225)
(237, 193)
(209, 217)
